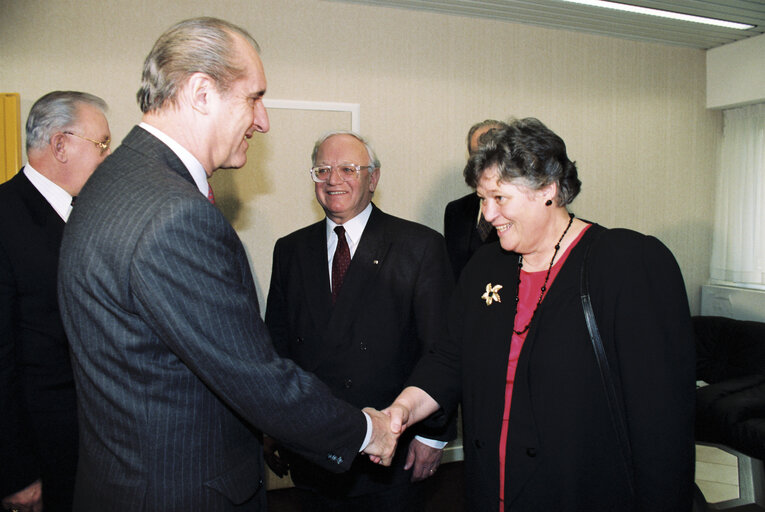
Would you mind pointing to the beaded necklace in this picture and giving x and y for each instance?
(544, 285)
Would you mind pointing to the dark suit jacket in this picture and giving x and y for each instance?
(38, 432)
(462, 238)
(390, 309)
(562, 451)
(173, 363)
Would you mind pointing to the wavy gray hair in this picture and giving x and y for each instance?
(203, 45)
(529, 152)
(56, 112)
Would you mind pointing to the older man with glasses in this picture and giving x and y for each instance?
(67, 137)
(356, 298)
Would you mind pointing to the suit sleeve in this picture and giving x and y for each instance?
(20, 464)
(433, 289)
(439, 371)
(191, 281)
(653, 338)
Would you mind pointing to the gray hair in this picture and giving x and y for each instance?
(197, 45)
(373, 160)
(492, 123)
(528, 152)
(56, 112)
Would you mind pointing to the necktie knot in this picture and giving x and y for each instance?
(210, 195)
(340, 262)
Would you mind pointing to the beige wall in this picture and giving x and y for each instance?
(633, 114)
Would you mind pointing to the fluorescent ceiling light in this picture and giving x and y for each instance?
(660, 13)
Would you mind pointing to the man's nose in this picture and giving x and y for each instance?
(261, 122)
(334, 176)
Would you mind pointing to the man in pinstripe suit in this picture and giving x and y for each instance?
(175, 371)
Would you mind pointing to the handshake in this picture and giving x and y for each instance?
(387, 427)
(412, 406)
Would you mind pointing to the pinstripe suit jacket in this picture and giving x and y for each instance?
(173, 365)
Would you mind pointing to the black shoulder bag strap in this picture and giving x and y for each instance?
(615, 406)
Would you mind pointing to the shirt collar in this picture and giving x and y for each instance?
(57, 197)
(354, 228)
(195, 168)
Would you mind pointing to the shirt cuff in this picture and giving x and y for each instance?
(368, 437)
(432, 442)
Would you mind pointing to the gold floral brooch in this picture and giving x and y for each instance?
(491, 294)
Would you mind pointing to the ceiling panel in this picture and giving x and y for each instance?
(568, 16)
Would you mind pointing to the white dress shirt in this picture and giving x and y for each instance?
(354, 228)
(194, 166)
(56, 196)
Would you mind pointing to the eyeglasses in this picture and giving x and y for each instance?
(322, 173)
(102, 146)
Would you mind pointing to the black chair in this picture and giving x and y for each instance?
(730, 403)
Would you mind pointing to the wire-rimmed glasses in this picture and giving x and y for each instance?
(103, 146)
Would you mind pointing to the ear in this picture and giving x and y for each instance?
(549, 192)
(59, 146)
(200, 91)
(373, 179)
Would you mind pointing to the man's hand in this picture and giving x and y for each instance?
(26, 500)
(271, 450)
(424, 459)
(382, 445)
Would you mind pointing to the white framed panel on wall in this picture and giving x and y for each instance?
(354, 109)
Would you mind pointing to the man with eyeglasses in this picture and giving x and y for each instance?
(356, 299)
(67, 136)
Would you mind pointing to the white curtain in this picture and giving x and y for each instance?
(738, 250)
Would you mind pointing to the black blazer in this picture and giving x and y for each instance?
(562, 451)
(462, 238)
(38, 432)
(173, 364)
(390, 309)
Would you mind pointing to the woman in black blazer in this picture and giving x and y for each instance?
(538, 430)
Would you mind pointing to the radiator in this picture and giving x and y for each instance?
(733, 302)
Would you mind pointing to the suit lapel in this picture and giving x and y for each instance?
(367, 261)
(314, 267)
(41, 212)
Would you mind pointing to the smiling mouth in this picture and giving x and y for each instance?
(337, 193)
(503, 227)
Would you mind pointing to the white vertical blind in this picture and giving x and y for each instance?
(738, 251)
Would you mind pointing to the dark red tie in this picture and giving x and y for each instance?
(210, 195)
(340, 262)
